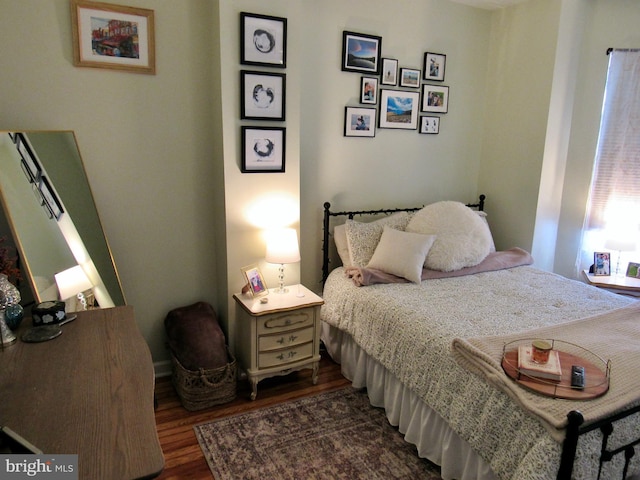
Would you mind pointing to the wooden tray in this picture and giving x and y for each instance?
(596, 385)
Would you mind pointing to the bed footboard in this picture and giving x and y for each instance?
(606, 425)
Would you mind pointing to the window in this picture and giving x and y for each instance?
(613, 212)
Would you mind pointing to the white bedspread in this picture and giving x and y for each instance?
(409, 329)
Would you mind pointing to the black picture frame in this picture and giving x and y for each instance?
(29, 163)
(410, 77)
(399, 109)
(359, 122)
(263, 95)
(263, 149)
(361, 52)
(50, 198)
(369, 90)
(435, 98)
(434, 66)
(389, 71)
(429, 125)
(263, 40)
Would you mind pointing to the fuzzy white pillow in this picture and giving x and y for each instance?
(363, 238)
(401, 253)
(463, 239)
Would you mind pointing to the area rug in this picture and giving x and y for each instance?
(334, 435)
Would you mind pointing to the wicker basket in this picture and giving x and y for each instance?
(202, 388)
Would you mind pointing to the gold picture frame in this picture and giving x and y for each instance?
(255, 281)
(113, 37)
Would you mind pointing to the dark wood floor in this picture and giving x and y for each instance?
(183, 457)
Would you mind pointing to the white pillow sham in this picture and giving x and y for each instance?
(401, 253)
(463, 239)
(363, 238)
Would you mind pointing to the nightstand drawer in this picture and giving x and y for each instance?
(285, 321)
(285, 356)
(285, 339)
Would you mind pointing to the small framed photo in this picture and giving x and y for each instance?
(263, 40)
(263, 95)
(389, 71)
(435, 98)
(434, 65)
(399, 109)
(263, 149)
(359, 122)
(369, 90)
(97, 43)
(361, 53)
(633, 270)
(255, 281)
(429, 124)
(51, 200)
(601, 263)
(409, 78)
(29, 163)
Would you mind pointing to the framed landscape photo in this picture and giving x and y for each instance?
(429, 125)
(255, 281)
(262, 95)
(369, 90)
(389, 71)
(409, 77)
(263, 149)
(359, 122)
(399, 109)
(263, 40)
(361, 53)
(435, 98)
(601, 263)
(98, 43)
(633, 270)
(434, 65)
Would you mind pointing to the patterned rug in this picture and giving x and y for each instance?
(334, 435)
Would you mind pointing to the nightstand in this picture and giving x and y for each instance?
(619, 284)
(280, 336)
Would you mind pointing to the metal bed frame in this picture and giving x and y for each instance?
(575, 427)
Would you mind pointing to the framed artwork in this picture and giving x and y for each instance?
(434, 65)
(601, 263)
(359, 122)
(50, 198)
(435, 98)
(389, 71)
(263, 149)
(633, 270)
(263, 40)
(399, 109)
(113, 36)
(409, 77)
(429, 124)
(369, 90)
(255, 281)
(29, 163)
(263, 95)
(361, 53)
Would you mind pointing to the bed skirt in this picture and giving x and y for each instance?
(420, 425)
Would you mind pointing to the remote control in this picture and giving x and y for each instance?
(577, 376)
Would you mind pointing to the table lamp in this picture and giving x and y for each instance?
(620, 245)
(73, 282)
(282, 247)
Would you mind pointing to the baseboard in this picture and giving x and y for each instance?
(162, 369)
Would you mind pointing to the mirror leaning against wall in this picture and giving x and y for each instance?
(51, 214)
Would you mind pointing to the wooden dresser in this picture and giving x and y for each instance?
(89, 392)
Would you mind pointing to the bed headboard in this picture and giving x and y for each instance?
(352, 213)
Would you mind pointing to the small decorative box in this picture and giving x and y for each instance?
(48, 313)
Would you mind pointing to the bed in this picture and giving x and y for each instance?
(428, 348)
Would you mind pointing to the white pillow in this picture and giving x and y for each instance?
(340, 239)
(463, 239)
(483, 216)
(401, 253)
(363, 238)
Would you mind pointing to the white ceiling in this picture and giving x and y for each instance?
(490, 4)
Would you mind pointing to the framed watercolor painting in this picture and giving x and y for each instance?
(399, 109)
(361, 53)
(263, 149)
(263, 40)
(434, 65)
(262, 95)
(113, 36)
(359, 122)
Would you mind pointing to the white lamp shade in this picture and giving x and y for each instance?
(620, 244)
(72, 281)
(282, 246)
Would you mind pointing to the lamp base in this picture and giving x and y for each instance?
(280, 290)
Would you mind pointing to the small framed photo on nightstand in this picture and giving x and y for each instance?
(602, 263)
(255, 281)
(633, 270)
